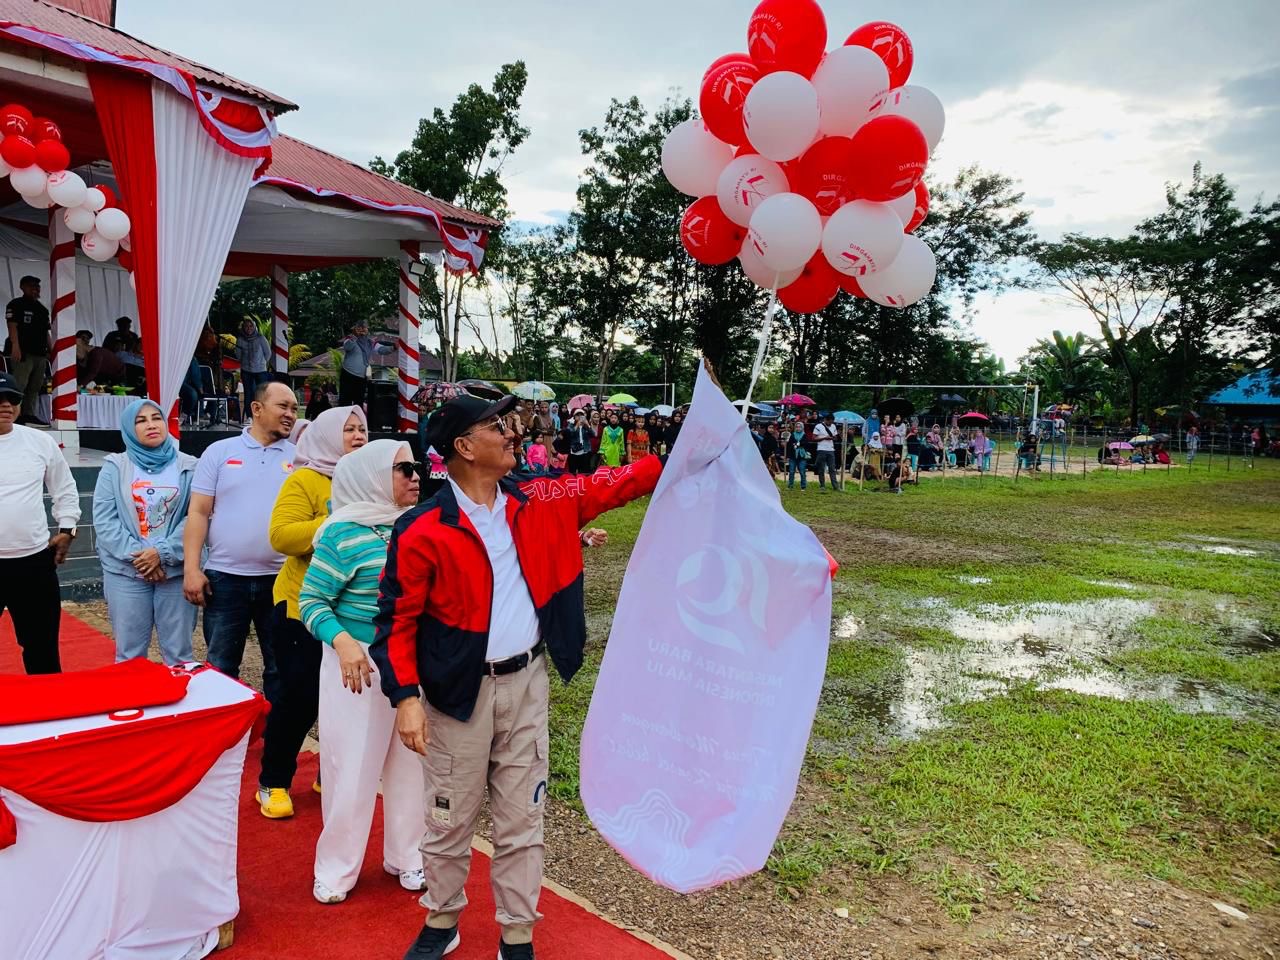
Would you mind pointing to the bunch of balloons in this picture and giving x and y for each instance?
(808, 164)
(34, 158)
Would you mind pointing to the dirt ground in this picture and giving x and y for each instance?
(1093, 914)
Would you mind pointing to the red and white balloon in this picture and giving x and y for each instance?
(807, 164)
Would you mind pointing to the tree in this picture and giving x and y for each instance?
(1067, 366)
(458, 157)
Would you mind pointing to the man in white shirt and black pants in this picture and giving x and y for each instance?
(29, 557)
(825, 460)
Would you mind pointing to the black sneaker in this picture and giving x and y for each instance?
(433, 943)
(515, 951)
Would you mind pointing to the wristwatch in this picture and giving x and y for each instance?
(69, 531)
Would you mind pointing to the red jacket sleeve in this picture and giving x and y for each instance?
(402, 597)
(595, 493)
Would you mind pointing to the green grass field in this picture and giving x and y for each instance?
(1023, 677)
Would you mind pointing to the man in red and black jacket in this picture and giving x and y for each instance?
(480, 581)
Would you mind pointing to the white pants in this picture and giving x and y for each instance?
(359, 745)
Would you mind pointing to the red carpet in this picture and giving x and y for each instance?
(81, 646)
(278, 917)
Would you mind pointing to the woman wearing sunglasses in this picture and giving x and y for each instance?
(371, 489)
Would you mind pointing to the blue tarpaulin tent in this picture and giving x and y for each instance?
(1258, 389)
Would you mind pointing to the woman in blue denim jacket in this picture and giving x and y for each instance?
(139, 512)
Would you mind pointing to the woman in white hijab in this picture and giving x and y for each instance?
(372, 487)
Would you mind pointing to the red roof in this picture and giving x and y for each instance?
(54, 19)
(294, 160)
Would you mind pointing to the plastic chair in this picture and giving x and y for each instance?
(209, 395)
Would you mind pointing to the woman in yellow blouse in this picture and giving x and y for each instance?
(301, 506)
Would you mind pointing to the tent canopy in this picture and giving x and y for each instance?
(1258, 389)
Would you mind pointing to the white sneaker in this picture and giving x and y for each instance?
(324, 895)
(409, 879)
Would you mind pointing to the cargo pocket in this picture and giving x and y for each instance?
(440, 795)
(538, 775)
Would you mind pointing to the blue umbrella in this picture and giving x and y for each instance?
(848, 416)
(767, 409)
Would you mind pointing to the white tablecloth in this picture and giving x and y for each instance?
(100, 411)
(153, 888)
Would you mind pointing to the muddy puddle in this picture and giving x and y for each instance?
(1055, 646)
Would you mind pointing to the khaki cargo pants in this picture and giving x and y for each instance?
(504, 747)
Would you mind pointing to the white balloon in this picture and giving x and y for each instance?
(908, 279)
(40, 201)
(781, 115)
(112, 223)
(861, 238)
(78, 219)
(847, 79)
(97, 247)
(66, 188)
(692, 158)
(785, 231)
(919, 105)
(126, 242)
(29, 181)
(5, 169)
(746, 183)
(904, 206)
(761, 275)
(94, 199)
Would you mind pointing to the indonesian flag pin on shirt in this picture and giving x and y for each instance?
(702, 710)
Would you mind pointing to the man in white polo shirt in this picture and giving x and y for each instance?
(29, 557)
(232, 495)
(825, 460)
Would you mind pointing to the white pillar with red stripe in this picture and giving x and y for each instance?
(409, 352)
(280, 318)
(62, 294)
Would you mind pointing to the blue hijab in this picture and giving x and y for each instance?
(150, 459)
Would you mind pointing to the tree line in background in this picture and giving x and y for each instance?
(1180, 307)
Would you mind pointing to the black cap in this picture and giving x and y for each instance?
(9, 386)
(455, 417)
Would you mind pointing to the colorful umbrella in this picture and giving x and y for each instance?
(973, 419)
(1119, 445)
(437, 392)
(1142, 439)
(848, 416)
(533, 390)
(797, 400)
(622, 398)
(641, 411)
(664, 410)
(483, 388)
(581, 400)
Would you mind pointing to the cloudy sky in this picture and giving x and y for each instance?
(1093, 106)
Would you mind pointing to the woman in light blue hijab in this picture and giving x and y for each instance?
(139, 513)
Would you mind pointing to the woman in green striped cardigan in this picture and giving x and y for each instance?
(371, 488)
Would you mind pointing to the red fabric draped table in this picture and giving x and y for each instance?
(118, 830)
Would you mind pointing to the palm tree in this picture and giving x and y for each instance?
(1070, 365)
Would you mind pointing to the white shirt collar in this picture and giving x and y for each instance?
(471, 508)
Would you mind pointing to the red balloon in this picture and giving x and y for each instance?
(922, 208)
(889, 157)
(824, 174)
(708, 235)
(725, 86)
(787, 35)
(52, 156)
(15, 120)
(42, 128)
(849, 284)
(113, 202)
(891, 44)
(17, 151)
(814, 289)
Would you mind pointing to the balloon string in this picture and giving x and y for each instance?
(763, 346)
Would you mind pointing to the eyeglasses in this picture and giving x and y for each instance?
(407, 468)
(496, 425)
